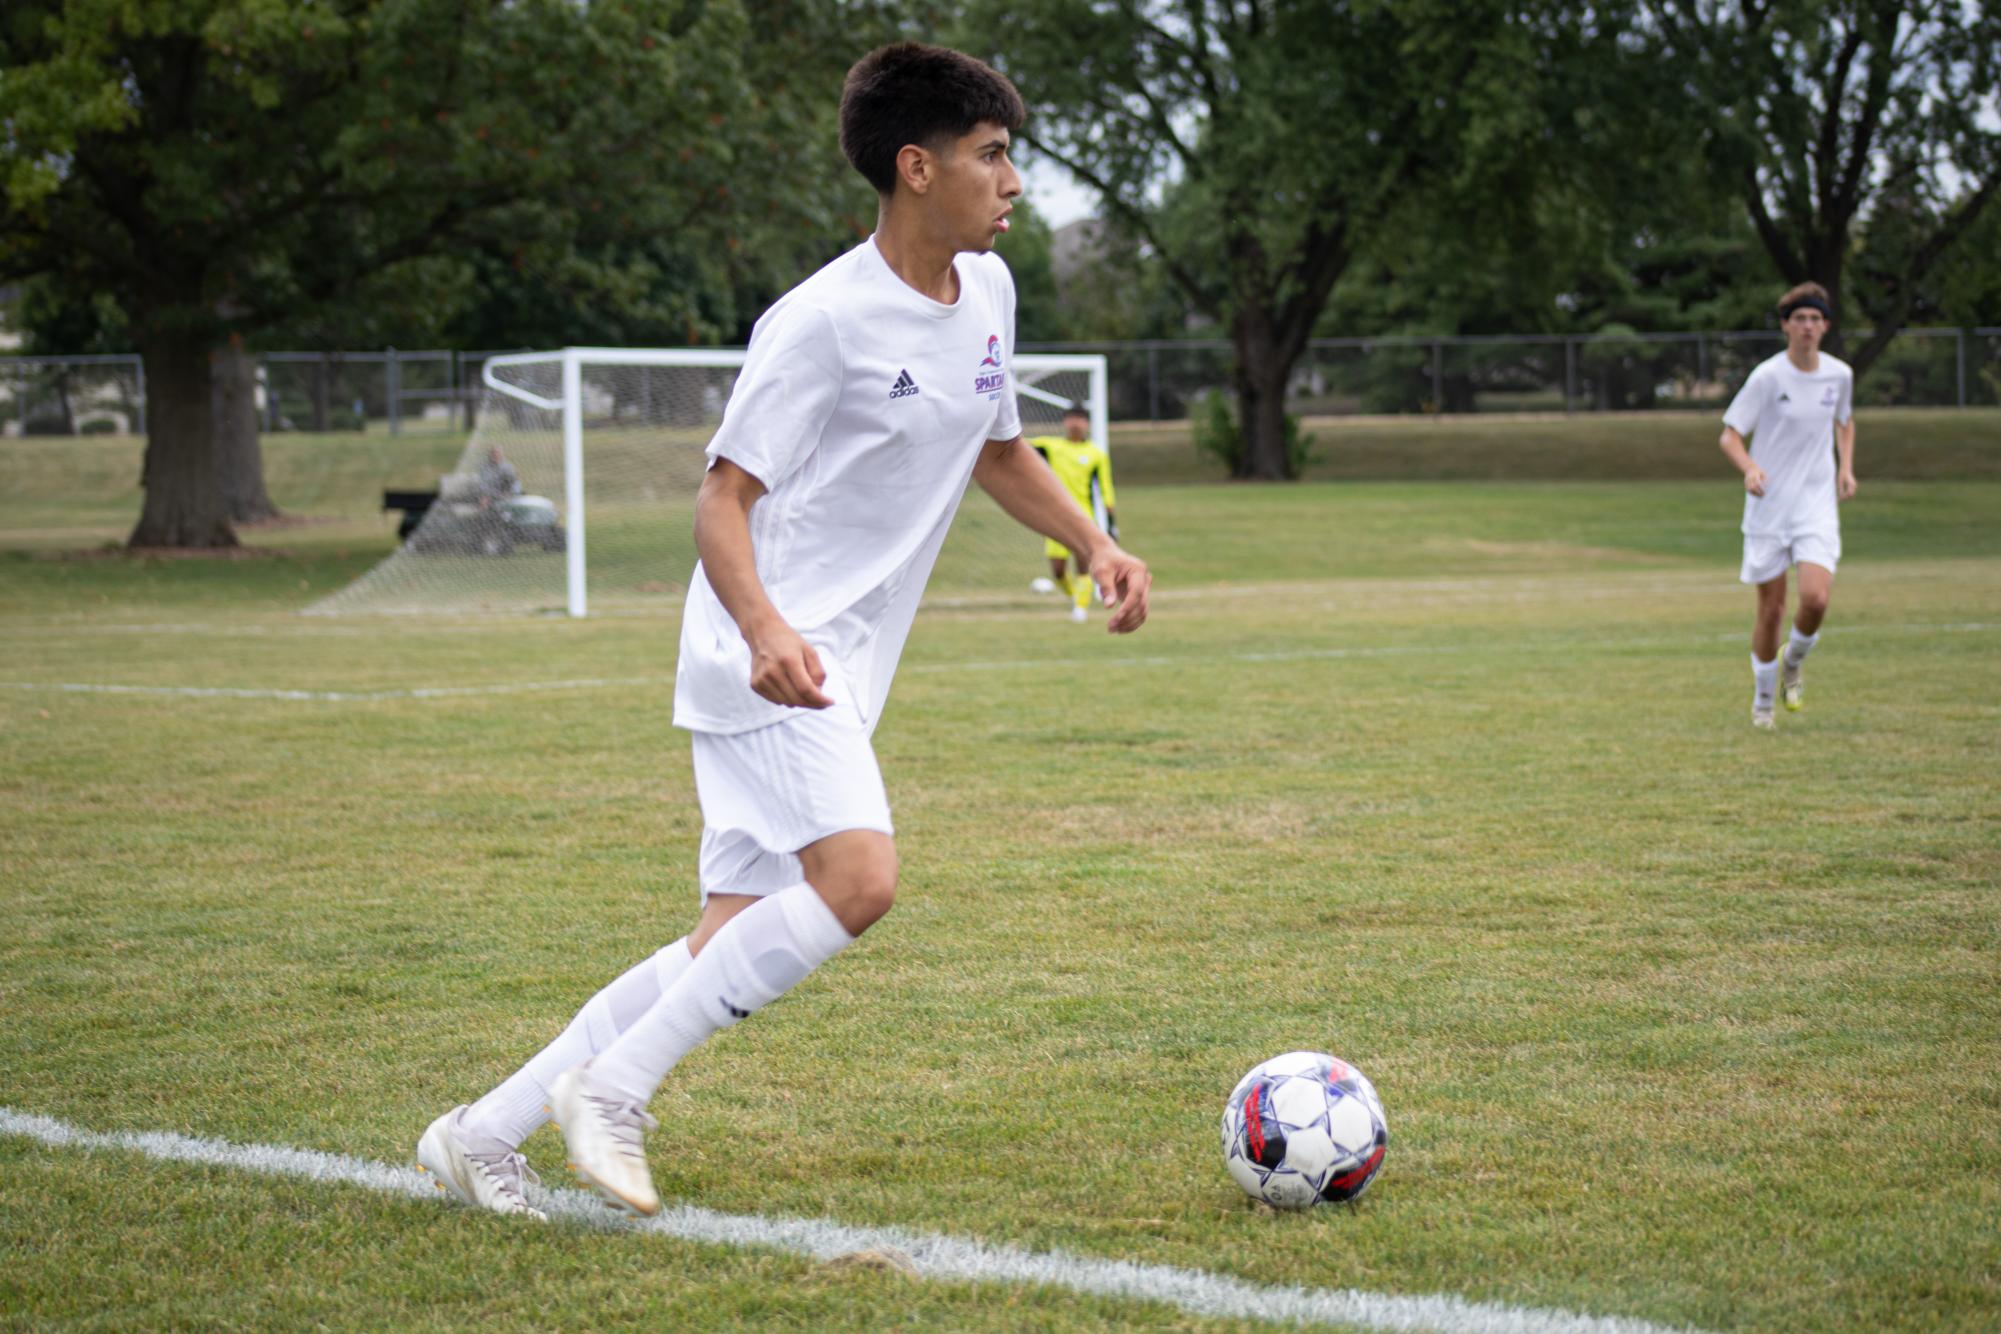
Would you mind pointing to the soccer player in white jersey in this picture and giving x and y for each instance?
(1797, 413)
(872, 393)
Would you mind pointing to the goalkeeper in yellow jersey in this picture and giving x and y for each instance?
(1085, 470)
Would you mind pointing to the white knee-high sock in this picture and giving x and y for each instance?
(513, 1111)
(1798, 646)
(758, 956)
(1765, 677)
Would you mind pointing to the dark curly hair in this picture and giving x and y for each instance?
(910, 93)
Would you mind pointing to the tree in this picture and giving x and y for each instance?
(1962, 288)
(1605, 228)
(700, 267)
(1810, 111)
(1258, 145)
(225, 167)
(1606, 221)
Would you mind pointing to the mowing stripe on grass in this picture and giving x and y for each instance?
(1541, 645)
(935, 1256)
(1556, 645)
(1336, 594)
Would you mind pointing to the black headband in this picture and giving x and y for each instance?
(1804, 303)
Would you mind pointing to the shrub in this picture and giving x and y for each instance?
(1217, 432)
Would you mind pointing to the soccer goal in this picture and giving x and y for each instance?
(576, 489)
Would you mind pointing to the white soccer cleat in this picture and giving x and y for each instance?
(605, 1134)
(1761, 716)
(1792, 684)
(484, 1173)
(1042, 585)
(1079, 615)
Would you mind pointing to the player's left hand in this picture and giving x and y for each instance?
(1126, 582)
(1844, 486)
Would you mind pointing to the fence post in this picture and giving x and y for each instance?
(1152, 383)
(140, 363)
(395, 394)
(1702, 359)
(1569, 375)
(322, 388)
(573, 478)
(1437, 377)
(1959, 341)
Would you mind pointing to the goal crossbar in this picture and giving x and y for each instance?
(1028, 367)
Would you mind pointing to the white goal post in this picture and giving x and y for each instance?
(576, 490)
(1030, 370)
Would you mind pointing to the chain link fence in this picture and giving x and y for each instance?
(1149, 381)
(1165, 380)
(296, 391)
(72, 396)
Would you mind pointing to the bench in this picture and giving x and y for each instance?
(414, 504)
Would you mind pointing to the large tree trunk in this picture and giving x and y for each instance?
(239, 459)
(1827, 263)
(1263, 369)
(184, 506)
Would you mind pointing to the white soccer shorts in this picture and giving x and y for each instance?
(1766, 558)
(768, 792)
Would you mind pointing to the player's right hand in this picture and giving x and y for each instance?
(1125, 582)
(785, 669)
(1754, 480)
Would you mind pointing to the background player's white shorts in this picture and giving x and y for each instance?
(1766, 558)
(770, 791)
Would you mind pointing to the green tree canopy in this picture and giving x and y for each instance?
(224, 167)
(1257, 146)
(1812, 112)
(692, 266)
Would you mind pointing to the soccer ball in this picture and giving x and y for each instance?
(1304, 1129)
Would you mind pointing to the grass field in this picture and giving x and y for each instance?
(1673, 1020)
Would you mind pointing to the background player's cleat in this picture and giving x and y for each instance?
(604, 1132)
(1761, 716)
(1079, 615)
(484, 1173)
(1792, 684)
(1042, 585)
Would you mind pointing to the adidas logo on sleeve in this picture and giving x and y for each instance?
(904, 386)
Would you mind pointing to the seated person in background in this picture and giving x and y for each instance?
(497, 479)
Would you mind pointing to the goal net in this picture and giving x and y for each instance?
(576, 489)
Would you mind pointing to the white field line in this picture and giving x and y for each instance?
(334, 696)
(1540, 645)
(935, 1256)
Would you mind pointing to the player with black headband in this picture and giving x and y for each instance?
(1797, 409)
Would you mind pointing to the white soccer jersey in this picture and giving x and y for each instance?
(1792, 414)
(862, 407)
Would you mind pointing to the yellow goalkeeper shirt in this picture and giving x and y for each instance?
(1085, 470)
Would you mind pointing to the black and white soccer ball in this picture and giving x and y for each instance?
(1303, 1129)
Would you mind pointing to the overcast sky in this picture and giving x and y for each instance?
(1055, 194)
